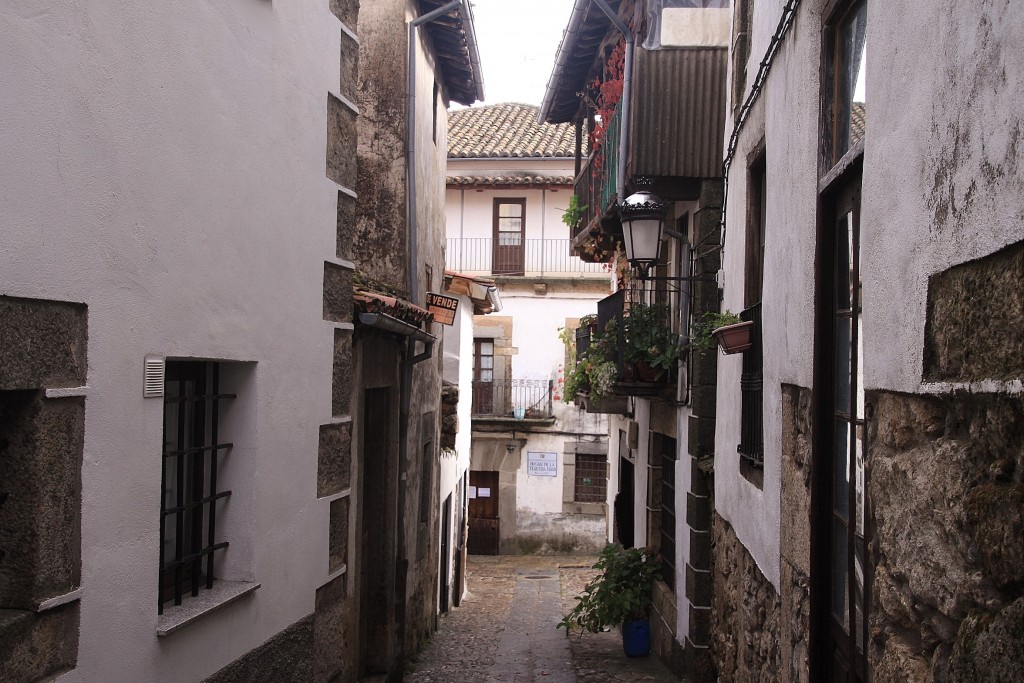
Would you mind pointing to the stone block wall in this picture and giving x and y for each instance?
(795, 533)
(703, 375)
(328, 635)
(746, 613)
(42, 347)
(947, 488)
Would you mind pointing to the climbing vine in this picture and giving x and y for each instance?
(605, 92)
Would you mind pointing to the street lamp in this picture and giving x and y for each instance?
(643, 220)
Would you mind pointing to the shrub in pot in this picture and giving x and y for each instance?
(620, 596)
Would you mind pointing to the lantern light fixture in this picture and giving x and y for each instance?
(643, 221)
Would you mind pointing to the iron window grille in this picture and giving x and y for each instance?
(667, 546)
(591, 478)
(189, 493)
(751, 447)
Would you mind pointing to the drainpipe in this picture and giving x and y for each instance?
(410, 161)
(627, 90)
(410, 358)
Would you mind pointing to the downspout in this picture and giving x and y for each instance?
(410, 161)
(410, 358)
(627, 91)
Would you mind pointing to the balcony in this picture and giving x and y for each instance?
(513, 399)
(595, 184)
(526, 258)
(629, 349)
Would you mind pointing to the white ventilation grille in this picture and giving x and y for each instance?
(154, 382)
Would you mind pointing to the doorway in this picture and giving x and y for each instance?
(446, 552)
(483, 376)
(484, 525)
(624, 501)
(376, 582)
(840, 573)
(509, 233)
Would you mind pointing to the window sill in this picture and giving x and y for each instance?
(574, 508)
(209, 600)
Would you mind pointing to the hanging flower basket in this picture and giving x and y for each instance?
(734, 338)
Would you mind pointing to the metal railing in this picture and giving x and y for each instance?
(531, 257)
(518, 398)
(595, 185)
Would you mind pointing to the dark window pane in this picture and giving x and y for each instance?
(841, 469)
(850, 76)
(842, 366)
(840, 605)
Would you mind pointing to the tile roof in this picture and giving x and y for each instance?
(516, 179)
(506, 131)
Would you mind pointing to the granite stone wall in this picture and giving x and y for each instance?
(285, 658)
(43, 346)
(745, 614)
(322, 645)
(947, 488)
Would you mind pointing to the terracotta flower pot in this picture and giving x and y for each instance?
(734, 338)
(645, 372)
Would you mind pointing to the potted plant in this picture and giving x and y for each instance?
(726, 329)
(620, 595)
(650, 345)
(592, 372)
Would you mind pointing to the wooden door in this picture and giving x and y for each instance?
(483, 376)
(509, 236)
(483, 513)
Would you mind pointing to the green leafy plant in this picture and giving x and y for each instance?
(573, 215)
(701, 330)
(620, 592)
(591, 372)
(648, 337)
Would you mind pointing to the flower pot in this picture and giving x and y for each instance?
(734, 338)
(519, 412)
(636, 638)
(645, 372)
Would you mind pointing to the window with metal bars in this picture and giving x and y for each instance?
(751, 447)
(591, 478)
(667, 546)
(188, 502)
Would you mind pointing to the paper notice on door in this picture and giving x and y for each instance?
(483, 492)
(472, 492)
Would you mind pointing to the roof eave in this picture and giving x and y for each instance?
(563, 58)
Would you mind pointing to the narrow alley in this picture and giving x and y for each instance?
(505, 630)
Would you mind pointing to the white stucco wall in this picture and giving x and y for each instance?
(786, 116)
(695, 27)
(953, 97)
(458, 369)
(543, 212)
(164, 164)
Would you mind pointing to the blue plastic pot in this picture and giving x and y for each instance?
(636, 638)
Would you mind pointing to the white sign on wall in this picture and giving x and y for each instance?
(541, 464)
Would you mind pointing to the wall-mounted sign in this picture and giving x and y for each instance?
(541, 464)
(443, 307)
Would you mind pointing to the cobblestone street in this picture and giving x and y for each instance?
(505, 630)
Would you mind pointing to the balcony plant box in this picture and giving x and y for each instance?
(734, 338)
(604, 405)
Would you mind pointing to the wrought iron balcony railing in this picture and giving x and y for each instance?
(531, 257)
(516, 398)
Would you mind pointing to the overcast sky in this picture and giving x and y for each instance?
(517, 41)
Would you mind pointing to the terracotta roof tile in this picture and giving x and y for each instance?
(517, 179)
(506, 131)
